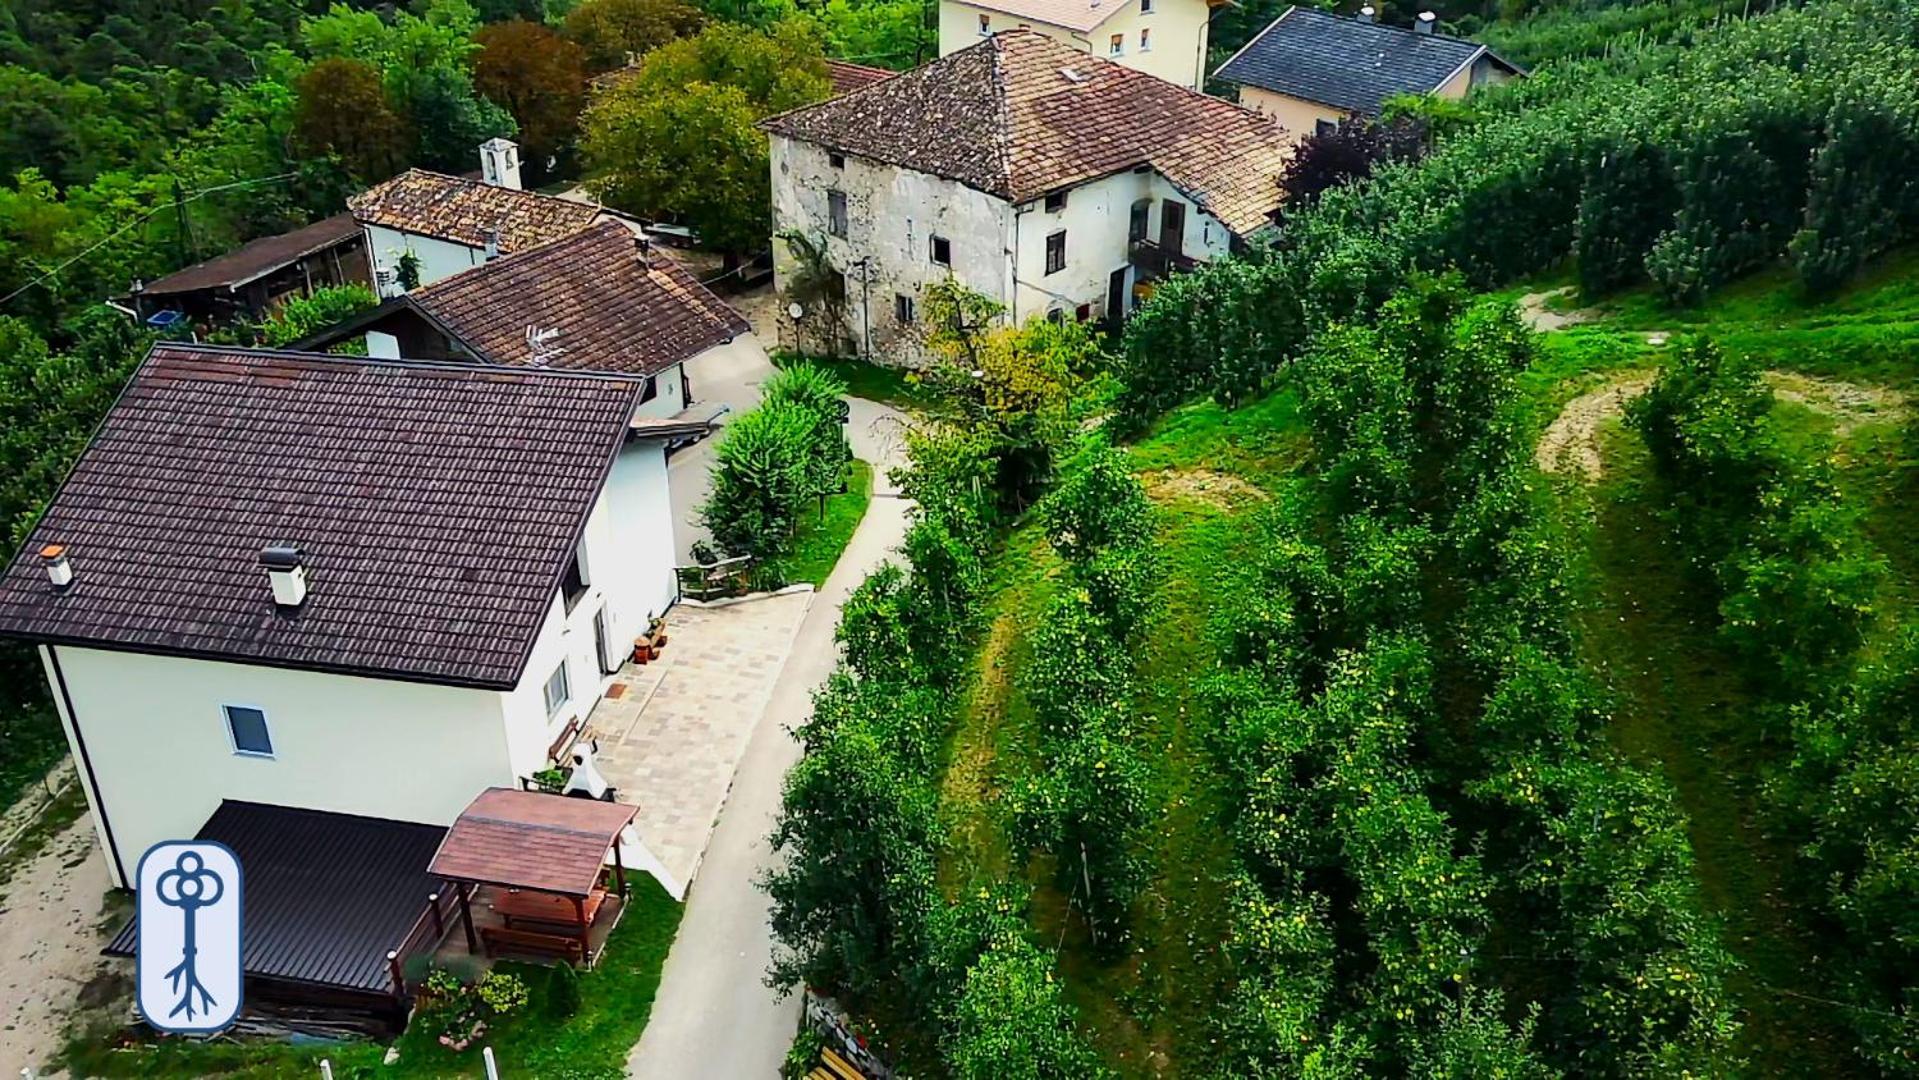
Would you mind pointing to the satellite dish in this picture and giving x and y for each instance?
(795, 310)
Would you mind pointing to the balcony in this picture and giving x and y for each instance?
(1153, 261)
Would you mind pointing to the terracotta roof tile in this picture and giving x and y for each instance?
(612, 311)
(462, 210)
(435, 506)
(847, 77)
(531, 840)
(1019, 115)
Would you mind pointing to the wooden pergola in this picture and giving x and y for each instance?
(545, 856)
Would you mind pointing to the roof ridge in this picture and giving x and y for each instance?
(450, 367)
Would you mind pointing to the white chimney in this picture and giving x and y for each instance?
(643, 247)
(59, 570)
(492, 250)
(288, 573)
(500, 163)
(1367, 14)
(1425, 23)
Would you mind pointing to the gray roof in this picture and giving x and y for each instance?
(1348, 64)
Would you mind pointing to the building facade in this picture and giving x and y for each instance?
(1166, 38)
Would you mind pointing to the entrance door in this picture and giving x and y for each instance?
(1172, 227)
(1116, 298)
(609, 663)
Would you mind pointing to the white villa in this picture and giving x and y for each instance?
(1057, 184)
(363, 588)
(1167, 38)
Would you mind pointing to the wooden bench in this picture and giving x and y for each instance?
(536, 907)
(499, 939)
(842, 1069)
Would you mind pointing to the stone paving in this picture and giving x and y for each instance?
(672, 732)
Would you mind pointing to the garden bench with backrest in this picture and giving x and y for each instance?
(500, 939)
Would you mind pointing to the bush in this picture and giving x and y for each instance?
(773, 462)
(562, 991)
(1012, 1023)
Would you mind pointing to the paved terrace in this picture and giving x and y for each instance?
(672, 732)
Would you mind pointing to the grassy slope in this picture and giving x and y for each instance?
(1649, 620)
(1147, 1012)
(616, 999)
(821, 539)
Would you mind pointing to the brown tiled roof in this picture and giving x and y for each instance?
(531, 840)
(258, 258)
(612, 311)
(848, 77)
(462, 210)
(1019, 115)
(435, 505)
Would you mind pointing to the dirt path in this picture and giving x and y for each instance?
(1571, 441)
(49, 948)
(1534, 310)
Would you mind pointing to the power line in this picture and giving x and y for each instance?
(179, 203)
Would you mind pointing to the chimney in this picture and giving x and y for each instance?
(500, 163)
(59, 570)
(1424, 25)
(492, 244)
(643, 246)
(288, 573)
(1367, 14)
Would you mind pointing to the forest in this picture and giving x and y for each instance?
(1477, 641)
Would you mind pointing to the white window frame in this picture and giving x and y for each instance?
(1116, 45)
(1145, 39)
(1145, 7)
(226, 721)
(565, 677)
(1059, 235)
(986, 26)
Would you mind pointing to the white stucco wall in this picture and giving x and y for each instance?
(1177, 44)
(1300, 118)
(438, 258)
(158, 744)
(892, 215)
(1096, 220)
(669, 397)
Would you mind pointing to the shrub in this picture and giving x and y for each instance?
(765, 478)
(1012, 1023)
(562, 991)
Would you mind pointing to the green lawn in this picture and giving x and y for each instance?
(616, 999)
(822, 537)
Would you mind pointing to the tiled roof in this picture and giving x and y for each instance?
(847, 77)
(462, 210)
(531, 840)
(258, 258)
(327, 895)
(611, 311)
(1343, 62)
(1019, 115)
(436, 506)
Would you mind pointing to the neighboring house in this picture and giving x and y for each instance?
(1311, 69)
(1054, 183)
(253, 279)
(602, 299)
(1166, 38)
(847, 77)
(361, 587)
(454, 223)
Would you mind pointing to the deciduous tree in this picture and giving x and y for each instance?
(343, 111)
(539, 77)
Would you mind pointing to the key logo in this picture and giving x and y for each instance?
(189, 936)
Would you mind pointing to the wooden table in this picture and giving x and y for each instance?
(549, 908)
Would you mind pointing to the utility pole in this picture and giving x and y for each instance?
(184, 224)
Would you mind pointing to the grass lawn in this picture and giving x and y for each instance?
(821, 538)
(615, 1000)
(874, 382)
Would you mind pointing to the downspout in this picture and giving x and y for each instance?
(86, 762)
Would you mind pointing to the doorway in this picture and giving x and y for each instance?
(1172, 227)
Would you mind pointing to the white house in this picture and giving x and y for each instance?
(600, 299)
(353, 586)
(454, 223)
(1311, 70)
(1056, 184)
(1167, 38)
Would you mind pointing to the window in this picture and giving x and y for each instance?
(902, 309)
(557, 691)
(836, 213)
(1083, 312)
(1116, 45)
(1325, 127)
(1056, 202)
(1056, 316)
(1145, 41)
(573, 586)
(838, 161)
(1136, 224)
(1145, 7)
(985, 25)
(942, 251)
(1056, 252)
(651, 390)
(247, 729)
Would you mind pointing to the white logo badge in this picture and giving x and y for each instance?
(189, 936)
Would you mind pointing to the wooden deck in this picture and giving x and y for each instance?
(453, 948)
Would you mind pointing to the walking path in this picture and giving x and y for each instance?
(714, 1015)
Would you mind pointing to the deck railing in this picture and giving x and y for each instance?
(427, 933)
(713, 581)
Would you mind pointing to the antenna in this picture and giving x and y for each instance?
(540, 344)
